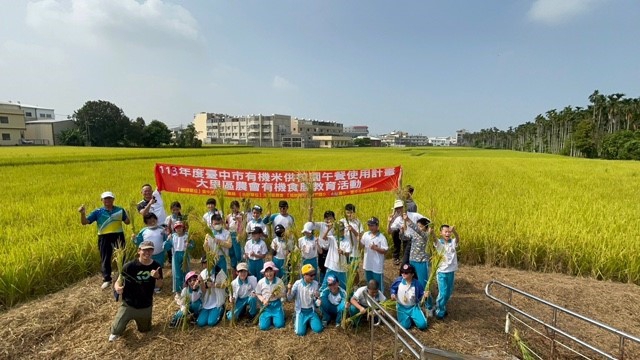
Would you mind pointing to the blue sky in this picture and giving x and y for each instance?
(428, 67)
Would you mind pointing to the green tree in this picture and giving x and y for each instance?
(135, 133)
(188, 138)
(585, 138)
(102, 123)
(362, 142)
(156, 134)
(71, 137)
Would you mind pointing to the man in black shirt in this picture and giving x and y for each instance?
(136, 284)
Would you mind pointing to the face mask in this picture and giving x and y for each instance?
(217, 227)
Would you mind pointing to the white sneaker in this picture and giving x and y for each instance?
(105, 285)
(157, 290)
(113, 337)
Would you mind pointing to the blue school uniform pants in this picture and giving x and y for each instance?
(370, 275)
(445, 289)
(240, 307)
(210, 317)
(411, 314)
(304, 317)
(255, 266)
(272, 315)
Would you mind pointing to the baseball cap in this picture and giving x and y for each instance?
(147, 244)
(307, 268)
(407, 269)
(398, 204)
(257, 230)
(178, 224)
(332, 280)
(107, 194)
(308, 227)
(257, 208)
(283, 203)
(373, 221)
(242, 266)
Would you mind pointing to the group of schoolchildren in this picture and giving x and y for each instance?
(260, 272)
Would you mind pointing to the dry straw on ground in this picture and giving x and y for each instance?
(74, 324)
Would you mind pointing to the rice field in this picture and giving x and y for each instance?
(530, 211)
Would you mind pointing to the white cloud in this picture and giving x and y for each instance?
(280, 83)
(97, 23)
(555, 12)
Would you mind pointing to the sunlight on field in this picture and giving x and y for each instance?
(535, 212)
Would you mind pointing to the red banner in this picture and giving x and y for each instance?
(276, 184)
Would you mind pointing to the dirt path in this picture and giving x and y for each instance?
(74, 324)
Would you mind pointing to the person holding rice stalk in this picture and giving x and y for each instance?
(447, 246)
(358, 302)
(352, 230)
(419, 257)
(214, 296)
(375, 245)
(243, 293)
(136, 284)
(156, 234)
(233, 224)
(189, 299)
(407, 291)
(323, 227)
(332, 301)
(109, 219)
(337, 254)
(270, 291)
(255, 250)
(220, 242)
(180, 244)
(306, 295)
(308, 245)
(281, 248)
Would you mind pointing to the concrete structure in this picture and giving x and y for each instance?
(35, 113)
(333, 141)
(256, 130)
(12, 125)
(308, 128)
(45, 132)
(401, 139)
(460, 137)
(442, 141)
(356, 131)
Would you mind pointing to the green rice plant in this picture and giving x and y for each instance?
(352, 274)
(306, 179)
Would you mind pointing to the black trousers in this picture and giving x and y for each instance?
(106, 244)
(401, 247)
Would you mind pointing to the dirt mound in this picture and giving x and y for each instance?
(74, 323)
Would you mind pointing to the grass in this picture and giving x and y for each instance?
(530, 211)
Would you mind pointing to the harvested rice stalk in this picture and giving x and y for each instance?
(277, 293)
(352, 274)
(294, 260)
(436, 260)
(307, 183)
(527, 354)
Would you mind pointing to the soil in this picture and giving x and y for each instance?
(74, 324)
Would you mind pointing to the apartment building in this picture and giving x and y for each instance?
(256, 130)
(12, 125)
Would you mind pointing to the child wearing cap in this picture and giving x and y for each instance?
(407, 291)
(281, 248)
(214, 296)
(234, 222)
(375, 247)
(220, 242)
(156, 234)
(337, 254)
(308, 245)
(332, 301)
(447, 246)
(255, 250)
(282, 217)
(189, 299)
(305, 293)
(180, 244)
(243, 295)
(358, 301)
(324, 227)
(353, 230)
(270, 292)
(211, 210)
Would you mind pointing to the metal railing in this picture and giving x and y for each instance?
(404, 337)
(553, 328)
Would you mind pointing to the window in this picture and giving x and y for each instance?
(28, 113)
(48, 116)
(42, 115)
(4, 119)
(6, 136)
